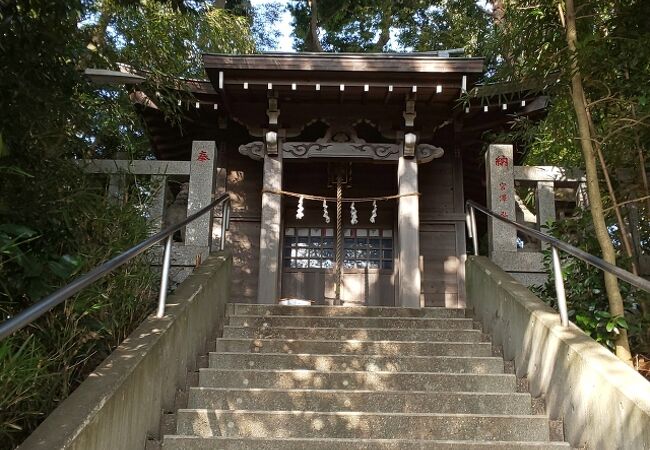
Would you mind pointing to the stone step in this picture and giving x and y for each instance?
(369, 401)
(371, 363)
(311, 424)
(350, 322)
(236, 443)
(364, 334)
(354, 347)
(348, 311)
(377, 381)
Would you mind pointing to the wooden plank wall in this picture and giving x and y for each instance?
(442, 232)
(244, 181)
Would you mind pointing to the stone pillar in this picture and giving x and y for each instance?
(408, 234)
(117, 181)
(157, 208)
(269, 269)
(545, 199)
(501, 198)
(202, 178)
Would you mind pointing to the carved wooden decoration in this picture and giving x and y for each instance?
(341, 141)
(254, 150)
(340, 150)
(425, 153)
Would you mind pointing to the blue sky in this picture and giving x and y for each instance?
(285, 41)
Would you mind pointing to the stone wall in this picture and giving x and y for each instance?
(604, 403)
(120, 403)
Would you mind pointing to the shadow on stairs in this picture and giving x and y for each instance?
(375, 378)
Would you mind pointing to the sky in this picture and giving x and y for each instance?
(285, 42)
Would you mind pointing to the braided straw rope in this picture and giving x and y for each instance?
(339, 238)
(336, 199)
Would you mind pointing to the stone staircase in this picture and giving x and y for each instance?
(341, 378)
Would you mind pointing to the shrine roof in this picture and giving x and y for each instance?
(345, 62)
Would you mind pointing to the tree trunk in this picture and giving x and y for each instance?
(598, 216)
(498, 11)
(384, 34)
(313, 42)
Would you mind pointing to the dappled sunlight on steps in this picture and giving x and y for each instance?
(355, 377)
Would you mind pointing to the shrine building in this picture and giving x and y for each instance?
(400, 135)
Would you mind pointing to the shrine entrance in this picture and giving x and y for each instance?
(311, 234)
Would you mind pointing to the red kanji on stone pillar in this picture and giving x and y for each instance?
(203, 156)
(502, 161)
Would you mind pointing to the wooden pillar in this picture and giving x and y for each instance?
(408, 234)
(202, 178)
(269, 269)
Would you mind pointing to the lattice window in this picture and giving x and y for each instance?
(313, 248)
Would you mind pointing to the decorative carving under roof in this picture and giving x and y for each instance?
(425, 153)
(291, 150)
(342, 141)
(340, 133)
(254, 150)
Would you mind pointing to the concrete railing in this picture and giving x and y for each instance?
(120, 403)
(604, 403)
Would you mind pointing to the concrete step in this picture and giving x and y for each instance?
(348, 311)
(368, 401)
(377, 381)
(371, 363)
(351, 322)
(236, 443)
(362, 334)
(310, 424)
(354, 347)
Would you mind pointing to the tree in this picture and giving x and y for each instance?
(383, 25)
(586, 64)
(55, 221)
(585, 128)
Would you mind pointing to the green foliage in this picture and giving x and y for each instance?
(175, 41)
(72, 228)
(614, 58)
(55, 220)
(367, 25)
(585, 290)
(446, 24)
(614, 55)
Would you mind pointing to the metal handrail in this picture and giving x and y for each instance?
(35, 311)
(556, 244)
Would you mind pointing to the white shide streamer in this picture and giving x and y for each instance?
(353, 214)
(326, 215)
(300, 212)
(373, 215)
